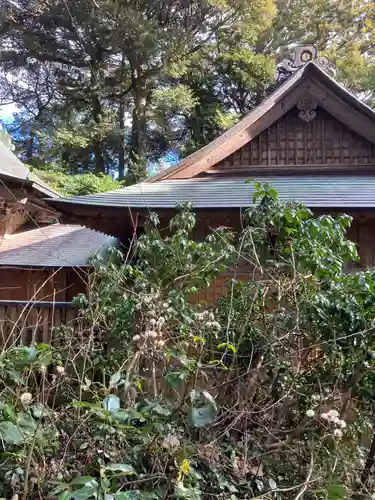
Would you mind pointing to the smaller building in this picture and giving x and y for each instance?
(43, 263)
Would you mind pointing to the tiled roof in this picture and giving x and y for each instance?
(346, 191)
(12, 168)
(57, 245)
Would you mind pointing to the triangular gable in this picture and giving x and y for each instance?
(292, 141)
(311, 94)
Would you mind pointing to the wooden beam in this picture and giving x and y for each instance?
(292, 169)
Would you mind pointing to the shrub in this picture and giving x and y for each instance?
(267, 394)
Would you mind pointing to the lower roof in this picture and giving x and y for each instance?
(346, 191)
(57, 245)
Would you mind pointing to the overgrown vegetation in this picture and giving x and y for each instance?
(78, 184)
(267, 395)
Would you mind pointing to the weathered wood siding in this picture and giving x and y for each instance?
(33, 323)
(291, 141)
(38, 285)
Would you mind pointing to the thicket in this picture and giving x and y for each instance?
(267, 394)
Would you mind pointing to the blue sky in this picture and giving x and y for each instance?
(6, 112)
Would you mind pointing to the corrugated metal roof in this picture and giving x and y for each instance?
(11, 167)
(313, 190)
(58, 245)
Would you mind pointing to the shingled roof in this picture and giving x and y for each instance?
(11, 168)
(57, 245)
(313, 190)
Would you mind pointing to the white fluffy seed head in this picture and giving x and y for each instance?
(333, 414)
(337, 433)
(26, 398)
(310, 413)
(60, 370)
(170, 442)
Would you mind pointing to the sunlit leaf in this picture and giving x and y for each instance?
(125, 469)
(336, 492)
(203, 416)
(111, 403)
(11, 434)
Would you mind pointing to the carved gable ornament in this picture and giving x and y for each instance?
(307, 107)
(303, 54)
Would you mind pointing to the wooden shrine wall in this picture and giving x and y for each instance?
(40, 285)
(362, 232)
(292, 141)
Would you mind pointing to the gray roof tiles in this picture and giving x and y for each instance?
(57, 245)
(12, 168)
(314, 190)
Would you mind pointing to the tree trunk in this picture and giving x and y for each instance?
(97, 143)
(30, 148)
(138, 144)
(121, 149)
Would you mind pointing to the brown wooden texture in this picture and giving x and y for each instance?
(291, 141)
(48, 285)
(33, 324)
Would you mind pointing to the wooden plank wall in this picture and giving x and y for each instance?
(33, 323)
(48, 285)
(291, 141)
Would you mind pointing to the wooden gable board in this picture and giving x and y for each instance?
(292, 142)
(309, 81)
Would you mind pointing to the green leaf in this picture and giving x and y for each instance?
(115, 379)
(66, 495)
(203, 416)
(82, 480)
(162, 410)
(227, 346)
(136, 495)
(111, 403)
(336, 492)
(10, 433)
(40, 410)
(175, 379)
(26, 423)
(125, 469)
(60, 487)
(86, 492)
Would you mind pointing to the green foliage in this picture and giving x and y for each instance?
(267, 394)
(79, 184)
(102, 83)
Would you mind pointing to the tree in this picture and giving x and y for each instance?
(112, 60)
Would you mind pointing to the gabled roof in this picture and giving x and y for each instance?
(333, 188)
(57, 245)
(11, 168)
(309, 81)
(318, 191)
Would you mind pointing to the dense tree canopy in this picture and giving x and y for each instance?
(110, 87)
